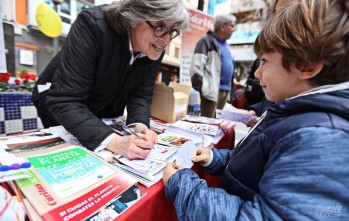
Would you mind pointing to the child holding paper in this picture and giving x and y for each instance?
(292, 164)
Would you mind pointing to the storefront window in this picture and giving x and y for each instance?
(64, 11)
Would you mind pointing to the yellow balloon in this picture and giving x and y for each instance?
(48, 20)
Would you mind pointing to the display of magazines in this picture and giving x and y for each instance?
(13, 147)
(71, 183)
(110, 211)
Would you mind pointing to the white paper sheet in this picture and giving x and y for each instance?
(185, 153)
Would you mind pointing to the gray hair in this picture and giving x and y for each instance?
(223, 19)
(123, 15)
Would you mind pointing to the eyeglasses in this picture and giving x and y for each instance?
(162, 30)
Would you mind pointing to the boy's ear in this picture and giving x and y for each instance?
(311, 70)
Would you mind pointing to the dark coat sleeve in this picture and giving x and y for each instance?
(138, 101)
(73, 80)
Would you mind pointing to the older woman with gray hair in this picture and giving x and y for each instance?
(108, 62)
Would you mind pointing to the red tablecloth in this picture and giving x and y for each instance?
(155, 206)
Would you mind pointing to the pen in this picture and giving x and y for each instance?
(125, 128)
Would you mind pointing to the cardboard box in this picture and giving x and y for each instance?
(170, 103)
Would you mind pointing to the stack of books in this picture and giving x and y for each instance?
(148, 171)
(68, 182)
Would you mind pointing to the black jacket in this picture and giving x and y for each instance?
(91, 78)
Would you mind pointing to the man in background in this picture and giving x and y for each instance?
(212, 66)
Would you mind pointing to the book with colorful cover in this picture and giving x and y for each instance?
(157, 159)
(147, 171)
(118, 205)
(12, 148)
(71, 184)
(111, 157)
(110, 211)
(28, 142)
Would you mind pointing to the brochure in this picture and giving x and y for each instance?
(157, 159)
(234, 116)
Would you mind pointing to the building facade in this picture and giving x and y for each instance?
(27, 47)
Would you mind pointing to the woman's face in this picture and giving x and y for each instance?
(143, 38)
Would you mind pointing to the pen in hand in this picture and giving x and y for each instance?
(125, 128)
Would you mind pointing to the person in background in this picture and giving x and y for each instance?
(212, 66)
(253, 90)
(108, 62)
(291, 165)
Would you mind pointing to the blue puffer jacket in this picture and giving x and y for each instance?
(292, 166)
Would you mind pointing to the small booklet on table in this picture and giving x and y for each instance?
(157, 159)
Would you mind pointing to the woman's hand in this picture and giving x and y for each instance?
(170, 169)
(130, 147)
(202, 155)
(149, 135)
